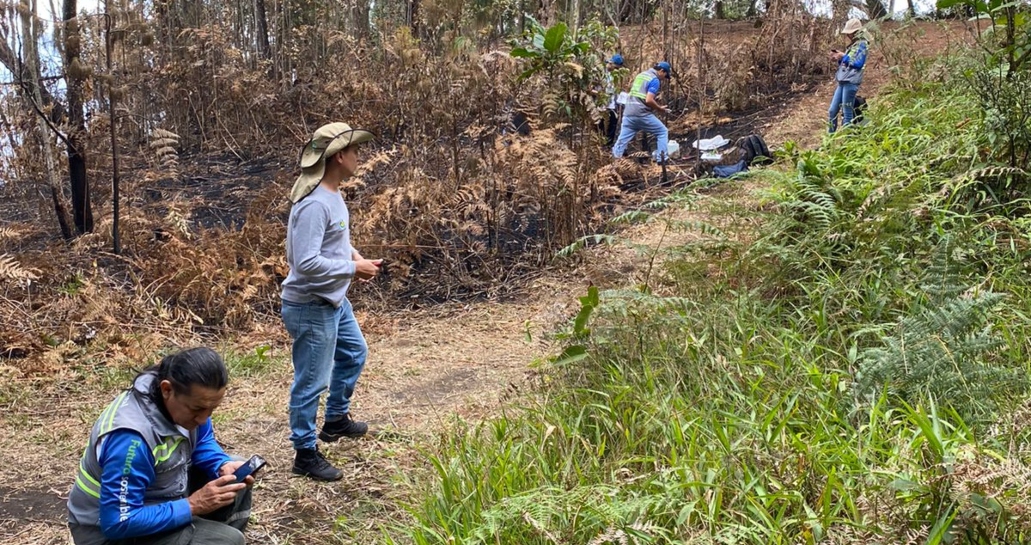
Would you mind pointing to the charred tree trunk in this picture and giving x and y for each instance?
(261, 23)
(361, 19)
(720, 11)
(413, 17)
(75, 73)
(876, 10)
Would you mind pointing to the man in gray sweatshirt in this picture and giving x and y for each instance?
(329, 350)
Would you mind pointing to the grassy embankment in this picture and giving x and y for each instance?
(855, 372)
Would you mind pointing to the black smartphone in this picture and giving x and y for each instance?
(249, 468)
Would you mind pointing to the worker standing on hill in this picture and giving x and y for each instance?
(639, 114)
(329, 350)
(849, 75)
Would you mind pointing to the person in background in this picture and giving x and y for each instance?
(639, 114)
(329, 350)
(152, 471)
(849, 74)
(608, 125)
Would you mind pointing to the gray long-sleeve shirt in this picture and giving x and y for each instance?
(318, 249)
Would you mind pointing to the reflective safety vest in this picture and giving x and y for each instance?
(638, 94)
(134, 410)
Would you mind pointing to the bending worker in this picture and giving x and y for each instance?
(152, 471)
(639, 114)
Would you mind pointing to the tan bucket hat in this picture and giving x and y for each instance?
(327, 140)
(852, 26)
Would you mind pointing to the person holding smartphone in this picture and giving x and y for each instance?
(849, 74)
(328, 350)
(152, 471)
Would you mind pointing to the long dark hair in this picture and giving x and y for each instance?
(200, 366)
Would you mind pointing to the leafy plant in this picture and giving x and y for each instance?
(568, 63)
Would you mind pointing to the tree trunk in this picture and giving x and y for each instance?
(720, 11)
(261, 21)
(413, 17)
(109, 43)
(30, 39)
(360, 13)
(74, 76)
(875, 9)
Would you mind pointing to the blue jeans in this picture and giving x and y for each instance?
(329, 351)
(649, 124)
(844, 100)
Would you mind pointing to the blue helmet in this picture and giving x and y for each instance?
(665, 67)
(616, 59)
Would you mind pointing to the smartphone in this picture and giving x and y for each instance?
(252, 466)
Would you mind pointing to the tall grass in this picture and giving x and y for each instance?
(857, 377)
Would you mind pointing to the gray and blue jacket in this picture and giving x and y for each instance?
(133, 477)
(850, 69)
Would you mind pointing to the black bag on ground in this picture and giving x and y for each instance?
(755, 150)
(858, 108)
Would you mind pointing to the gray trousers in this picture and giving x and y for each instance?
(224, 526)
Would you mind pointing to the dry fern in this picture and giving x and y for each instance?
(11, 270)
(163, 144)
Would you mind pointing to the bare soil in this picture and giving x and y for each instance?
(428, 368)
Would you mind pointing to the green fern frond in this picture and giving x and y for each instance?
(582, 243)
(632, 217)
(942, 348)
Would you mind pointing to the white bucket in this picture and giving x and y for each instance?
(673, 149)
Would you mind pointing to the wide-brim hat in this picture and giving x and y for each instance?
(325, 142)
(852, 26)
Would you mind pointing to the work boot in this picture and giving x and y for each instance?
(309, 462)
(343, 427)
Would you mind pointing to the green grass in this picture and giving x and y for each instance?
(857, 375)
(258, 363)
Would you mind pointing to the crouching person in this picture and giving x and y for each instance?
(152, 471)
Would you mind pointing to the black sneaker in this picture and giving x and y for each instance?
(344, 427)
(311, 463)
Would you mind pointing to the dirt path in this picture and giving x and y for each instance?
(425, 368)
